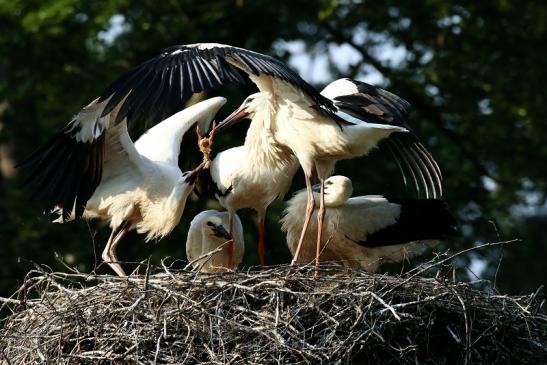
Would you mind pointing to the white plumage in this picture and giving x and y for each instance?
(209, 231)
(142, 186)
(289, 116)
(366, 230)
(254, 175)
(348, 119)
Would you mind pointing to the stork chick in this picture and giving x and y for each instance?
(365, 231)
(208, 232)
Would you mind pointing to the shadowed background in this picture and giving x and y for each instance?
(473, 71)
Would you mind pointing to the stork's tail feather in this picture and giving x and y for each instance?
(65, 172)
(420, 220)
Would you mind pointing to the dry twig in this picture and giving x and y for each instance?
(274, 315)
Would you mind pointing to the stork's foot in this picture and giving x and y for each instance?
(109, 253)
(111, 260)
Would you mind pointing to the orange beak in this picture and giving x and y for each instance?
(237, 116)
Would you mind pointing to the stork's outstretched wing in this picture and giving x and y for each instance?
(67, 169)
(157, 88)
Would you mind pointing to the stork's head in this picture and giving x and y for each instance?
(246, 110)
(182, 190)
(216, 227)
(212, 225)
(338, 189)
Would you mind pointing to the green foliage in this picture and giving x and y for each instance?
(474, 72)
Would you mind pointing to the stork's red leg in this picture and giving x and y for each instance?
(104, 254)
(309, 212)
(109, 253)
(261, 245)
(320, 217)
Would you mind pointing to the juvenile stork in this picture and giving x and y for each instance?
(138, 186)
(367, 230)
(208, 231)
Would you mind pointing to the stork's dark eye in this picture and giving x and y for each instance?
(249, 100)
(211, 224)
(328, 183)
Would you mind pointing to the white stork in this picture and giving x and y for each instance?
(253, 176)
(360, 116)
(133, 186)
(292, 112)
(208, 231)
(367, 230)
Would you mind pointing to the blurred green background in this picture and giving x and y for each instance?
(475, 72)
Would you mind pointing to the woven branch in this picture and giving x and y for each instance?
(274, 315)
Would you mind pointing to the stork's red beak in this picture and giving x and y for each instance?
(237, 116)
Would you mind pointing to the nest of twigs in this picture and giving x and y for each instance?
(274, 315)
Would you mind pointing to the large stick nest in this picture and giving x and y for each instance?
(275, 315)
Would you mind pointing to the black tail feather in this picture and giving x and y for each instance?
(420, 219)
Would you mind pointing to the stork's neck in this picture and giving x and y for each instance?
(160, 218)
(263, 150)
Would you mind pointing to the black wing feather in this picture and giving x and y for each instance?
(66, 172)
(420, 219)
(398, 160)
(376, 105)
(374, 108)
(398, 107)
(404, 159)
(418, 161)
(149, 87)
